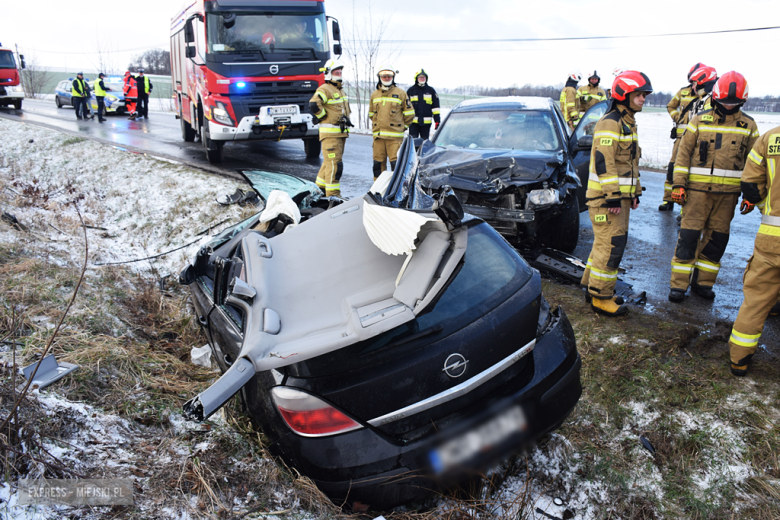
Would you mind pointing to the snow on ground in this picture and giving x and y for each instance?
(144, 206)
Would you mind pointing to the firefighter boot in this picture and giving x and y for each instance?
(676, 295)
(589, 297)
(775, 310)
(666, 206)
(739, 369)
(608, 307)
(704, 291)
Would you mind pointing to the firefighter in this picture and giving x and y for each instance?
(679, 110)
(426, 106)
(709, 164)
(79, 94)
(613, 189)
(568, 99)
(144, 89)
(761, 282)
(131, 93)
(391, 113)
(100, 94)
(330, 108)
(590, 94)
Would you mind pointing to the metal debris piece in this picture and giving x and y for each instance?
(12, 221)
(557, 501)
(49, 372)
(646, 444)
(548, 515)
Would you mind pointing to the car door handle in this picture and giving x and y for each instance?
(265, 249)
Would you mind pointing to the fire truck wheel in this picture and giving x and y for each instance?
(312, 147)
(18, 104)
(213, 149)
(187, 132)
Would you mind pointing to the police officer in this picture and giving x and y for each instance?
(426, 106)
(709, 164)
(100, 94)
(79, 96)
(144, 89)
(613, 189)
(391, 113)
(330, 108)
(679, 109)
(568, 99)
(761, 283)
(590, 94)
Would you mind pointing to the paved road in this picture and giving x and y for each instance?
(652, 235)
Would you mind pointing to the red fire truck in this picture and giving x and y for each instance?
(11, 91)
(246, 69)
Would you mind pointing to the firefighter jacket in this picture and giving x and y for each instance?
(713, 152)
(678, 105)
(144, 84)
(328, 104)
(568, 102)
(614, 159)
(758, 181)
(79, 88)
(391, 112)
(426, 104)
(588, 95)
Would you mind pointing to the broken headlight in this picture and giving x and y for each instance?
(545, 197)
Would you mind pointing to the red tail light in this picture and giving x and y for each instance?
(309, 416)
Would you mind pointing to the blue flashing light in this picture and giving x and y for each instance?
(241, 84)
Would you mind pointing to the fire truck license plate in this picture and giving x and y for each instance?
(278, 111)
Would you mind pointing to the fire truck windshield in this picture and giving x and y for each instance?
(7, 60)
(243, 32)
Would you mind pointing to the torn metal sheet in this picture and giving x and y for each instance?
(49, 372)
(570, 269)
(394, 230)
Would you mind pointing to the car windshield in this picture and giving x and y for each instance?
(7, 60)
(237, 32)
(500, 129)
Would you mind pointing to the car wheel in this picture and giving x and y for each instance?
(312, 146)
(57, 101)
(562, 232)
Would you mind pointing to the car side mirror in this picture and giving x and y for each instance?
(336, 32)
(189, 32)
(190, 52)
(585, 142)
(21, 61)
(337, 49)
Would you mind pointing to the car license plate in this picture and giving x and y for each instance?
(278, 111)
(464, 447)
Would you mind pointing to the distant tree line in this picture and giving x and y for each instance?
(656, 99)
(153, 61)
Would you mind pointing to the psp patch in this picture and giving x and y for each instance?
(601, 218)
(606, 141)
(707, 117)
(773, 147)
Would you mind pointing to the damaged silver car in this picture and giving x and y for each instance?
(386, 345)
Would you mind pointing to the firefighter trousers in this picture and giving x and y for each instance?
(704, 235)
(610, 235)
(669, 170)
(385, 149)
(761, 285)
(329, 176)
(418, 130)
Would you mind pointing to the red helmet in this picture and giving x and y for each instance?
(703, 75)
(731, 88)
(694, 69)
(628, 82)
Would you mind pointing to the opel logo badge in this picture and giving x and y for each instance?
(455, 365)
(274, 69)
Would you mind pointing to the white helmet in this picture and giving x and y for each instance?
(389, 70)
(618, 71)
(576, 75)
(329, 67)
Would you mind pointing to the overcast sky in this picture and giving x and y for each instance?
(63, 34)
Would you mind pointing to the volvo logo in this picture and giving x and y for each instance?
(455, 365)
(274, 69)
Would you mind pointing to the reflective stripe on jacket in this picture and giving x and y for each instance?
(79, 88)
(678, 103)
(588, 95)
(568, 102)
(100, 89)
(614, 159)
(426, 104)
(331, 103)
(391, 113)
(760, 184)
(144, 80)
(713, 152)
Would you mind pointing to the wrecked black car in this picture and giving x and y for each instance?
(387, 345)
(508, 161)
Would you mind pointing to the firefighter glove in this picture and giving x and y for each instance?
(436, 125)
(315, 120)
(679, 196)
(746, 207)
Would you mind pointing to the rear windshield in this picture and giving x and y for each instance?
(7, 60)
(492, 272)
(526, 130)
